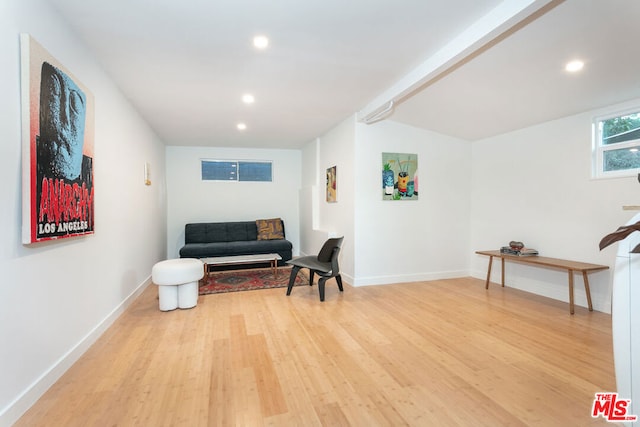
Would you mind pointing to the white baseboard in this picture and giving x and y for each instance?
(22, 403)
(405, 278)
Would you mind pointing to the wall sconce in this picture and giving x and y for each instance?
(147, 173)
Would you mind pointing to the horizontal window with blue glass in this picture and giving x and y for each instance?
(236, 170)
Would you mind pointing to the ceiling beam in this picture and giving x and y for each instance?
(503, 20)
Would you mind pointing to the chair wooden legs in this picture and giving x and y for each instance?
(321, 281)
(292, 278)
(321, 287)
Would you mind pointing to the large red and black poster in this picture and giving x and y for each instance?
(57, 154)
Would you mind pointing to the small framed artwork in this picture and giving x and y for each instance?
(332, 196)
(399, 176)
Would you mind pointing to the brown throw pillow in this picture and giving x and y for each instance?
(270, 229)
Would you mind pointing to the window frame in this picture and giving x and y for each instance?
(599, 149)
(237, 166)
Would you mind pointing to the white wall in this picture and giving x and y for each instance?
(535, 185)
(57, 297)
(337, 148)
(424, 239)
(311, 196)
(193, 200)
(320, 218)
(390, 242)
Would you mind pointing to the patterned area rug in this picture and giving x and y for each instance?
(248, 280)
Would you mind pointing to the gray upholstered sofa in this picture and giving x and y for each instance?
(211, 239)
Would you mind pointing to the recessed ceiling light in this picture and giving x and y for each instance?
(241, 126)
(260, 42)
(574, 66)
(247, 98)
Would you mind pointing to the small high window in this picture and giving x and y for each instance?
(236, 170)
(617, 141)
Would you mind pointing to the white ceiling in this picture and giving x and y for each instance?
(521, 80)
(185, 64)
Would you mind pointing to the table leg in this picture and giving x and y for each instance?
(502, 272)
(486, 286)
(274, 266)
(587, 290)
(571, 291)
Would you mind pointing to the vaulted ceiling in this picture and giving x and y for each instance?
(466, 68)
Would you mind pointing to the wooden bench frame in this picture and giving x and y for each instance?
(540, 261)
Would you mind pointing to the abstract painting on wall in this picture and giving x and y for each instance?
(399, 176)
(57, 148)
(332, 191)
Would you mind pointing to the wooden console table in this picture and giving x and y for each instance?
(540, 261)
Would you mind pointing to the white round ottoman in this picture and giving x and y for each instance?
(177, 281)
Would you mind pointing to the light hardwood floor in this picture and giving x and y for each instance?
(439, 353)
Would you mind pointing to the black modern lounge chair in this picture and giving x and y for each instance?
(325, 264)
